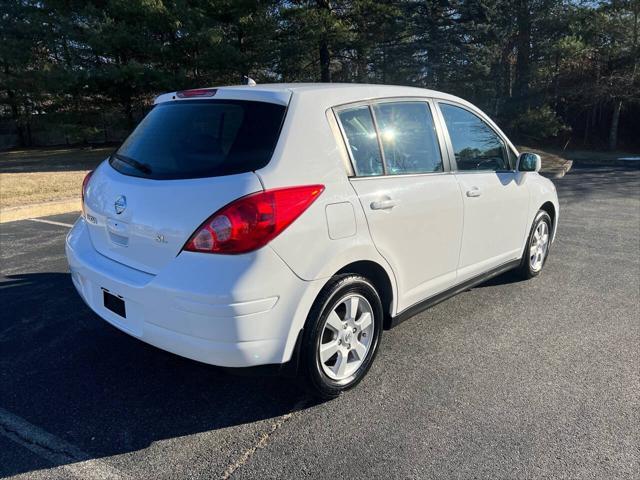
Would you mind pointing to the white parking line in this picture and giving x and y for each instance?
(50, 222)
(68, 457)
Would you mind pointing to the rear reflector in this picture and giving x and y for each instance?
(253, 221)
(197, 92)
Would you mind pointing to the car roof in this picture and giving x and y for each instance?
(325, 94)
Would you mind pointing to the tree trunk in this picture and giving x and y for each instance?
(436, 38)
(323, 44)
(244, 67)
(556, 83)
(587, 126)
(104, 128)
(325, 61)
(29, 137)
(507, 73)
(128, 112)
(15, 113)
(523, 43)
(384, 61)
(615, 120)
(15, 116)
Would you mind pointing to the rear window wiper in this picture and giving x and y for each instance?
(142, 167)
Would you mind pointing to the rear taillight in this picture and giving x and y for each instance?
(253, 221)
(85, 185)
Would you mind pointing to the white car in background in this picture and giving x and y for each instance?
(289, 224)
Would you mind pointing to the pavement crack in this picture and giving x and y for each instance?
(262, 442)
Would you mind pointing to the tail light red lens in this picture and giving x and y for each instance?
(253, 221)
(85, 184)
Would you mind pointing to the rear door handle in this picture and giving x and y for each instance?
(385, 203)
(474, 192)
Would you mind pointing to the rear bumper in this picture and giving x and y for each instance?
(231, 311)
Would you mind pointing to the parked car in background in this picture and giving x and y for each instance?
(290, 224)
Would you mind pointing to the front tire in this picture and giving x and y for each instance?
(537, 249)
(341, 335)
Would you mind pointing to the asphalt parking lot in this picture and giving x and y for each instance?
(537, 379)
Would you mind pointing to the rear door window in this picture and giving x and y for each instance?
(408, 137)
(362, 140)
(201, 138)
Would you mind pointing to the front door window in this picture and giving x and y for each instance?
(475, 145)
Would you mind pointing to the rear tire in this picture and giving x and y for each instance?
(341, 335)
(537, 249)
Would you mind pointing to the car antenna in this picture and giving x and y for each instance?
(248, 81)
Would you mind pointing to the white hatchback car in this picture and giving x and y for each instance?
(289, 224)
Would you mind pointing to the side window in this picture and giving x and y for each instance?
(475, 144)
(408, 137)
(513, 158)
(362, 140)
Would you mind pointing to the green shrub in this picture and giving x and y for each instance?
(539, 124)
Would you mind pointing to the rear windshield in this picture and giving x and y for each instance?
(201, 138)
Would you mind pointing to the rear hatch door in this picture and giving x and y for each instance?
(145, 223)
(186, 160)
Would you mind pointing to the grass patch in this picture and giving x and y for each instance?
(32, 176)
(19, 189)
(52, 159)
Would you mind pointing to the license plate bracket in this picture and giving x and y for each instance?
(114, 303)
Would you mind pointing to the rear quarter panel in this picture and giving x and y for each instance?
(308, 153)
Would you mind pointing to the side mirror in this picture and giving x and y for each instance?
(529, 162)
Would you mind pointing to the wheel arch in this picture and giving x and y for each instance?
(381, 281)
(550, 208)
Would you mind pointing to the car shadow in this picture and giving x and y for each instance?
(73, 375)
(505, 278)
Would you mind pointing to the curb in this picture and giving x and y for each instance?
(39, 210)
(559, 171)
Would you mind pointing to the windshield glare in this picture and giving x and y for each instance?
(202, 138)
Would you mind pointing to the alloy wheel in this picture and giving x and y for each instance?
(347, 336)
(539, 246)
